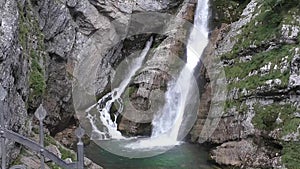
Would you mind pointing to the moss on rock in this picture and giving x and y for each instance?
(32, 41)
(291, 158)
(227, 11)
(266, 118)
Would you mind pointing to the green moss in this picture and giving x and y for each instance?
(49, 140)
(241, 70)
(258, 60)
(23, 32)
(264, 27)
(228, 11)
(290, 126)
(65, 153)
(265, 118)
(29, 31)
(36, 79)
(35, 130)
(17, 161)
(132, 90)
(52, 165)
(239, 105)
(291, 158)
(232, 103)
(253, 82)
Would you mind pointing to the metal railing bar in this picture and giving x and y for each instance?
(35, 147)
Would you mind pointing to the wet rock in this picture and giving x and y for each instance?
(150, 83)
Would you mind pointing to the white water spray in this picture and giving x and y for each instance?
(177, 96)
(105, 103)
(200, 30)
(167, 122)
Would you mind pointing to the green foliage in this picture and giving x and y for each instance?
(36, 79)
(258, 60)
(35, 130)
(29, 30)
(241, 70)
(17, 161)
(254, 81)
(265, 26)
(265, 118)
(23, 30)
(131, 90)
(228, 11)
(49, 140)
(52, 165)
(238, 104)
(290, 126)
(291, 158)
(65, 153)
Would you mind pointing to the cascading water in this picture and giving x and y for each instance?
(105, 103)
(167, 122)
(176, 102)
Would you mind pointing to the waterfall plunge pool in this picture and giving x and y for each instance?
(183, 156)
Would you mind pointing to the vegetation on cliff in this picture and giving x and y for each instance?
(259, 70)
(32, 41)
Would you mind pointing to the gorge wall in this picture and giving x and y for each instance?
(40, 46)
(259, 51)
(257, 43)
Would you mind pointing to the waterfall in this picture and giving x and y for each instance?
(168, 121)
(105, 103)
(200, 30)
(177, 101)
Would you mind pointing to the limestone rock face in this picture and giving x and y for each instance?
(257, 126)
(43, 41)
(294, 80)
(243, 153)
(14, 68)
(72, 27)
(150, 83)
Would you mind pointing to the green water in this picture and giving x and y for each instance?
(184, 156)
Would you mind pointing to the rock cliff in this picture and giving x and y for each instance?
(42, 42)
(259, 52)
(14, 71)
(256, 44)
